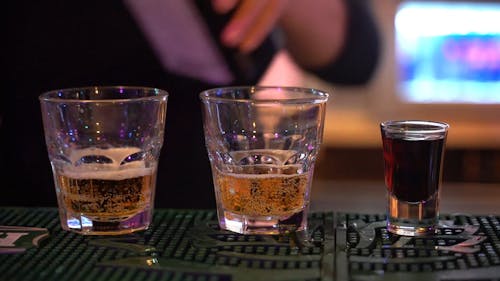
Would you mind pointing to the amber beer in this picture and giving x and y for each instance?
(263, 192)
(262, 195)
(104, 144)
(262, 143)
(109, 199)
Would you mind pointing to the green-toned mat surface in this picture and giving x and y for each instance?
(188, 245)
(181, 245)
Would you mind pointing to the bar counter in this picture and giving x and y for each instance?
(346, 240)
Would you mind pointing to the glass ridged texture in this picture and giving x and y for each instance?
(103, 145)
(262, 143)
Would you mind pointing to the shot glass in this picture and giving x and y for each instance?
(262, 143)
(413, 159)
(103, 145)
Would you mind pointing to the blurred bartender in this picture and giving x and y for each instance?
(181, 46)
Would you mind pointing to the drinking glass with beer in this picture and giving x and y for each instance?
(262, 143)
(103, 145)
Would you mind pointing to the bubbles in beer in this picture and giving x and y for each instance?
(105, 190)
(262, 193)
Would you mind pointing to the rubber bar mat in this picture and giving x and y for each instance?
(188, 245)
(465, 247)
(180, 245)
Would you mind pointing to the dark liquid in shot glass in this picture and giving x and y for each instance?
(413, 167)
(413, 179)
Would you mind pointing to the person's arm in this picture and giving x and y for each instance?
(335, 39)
(314, 31)
(357, 59)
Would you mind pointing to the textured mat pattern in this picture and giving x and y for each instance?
(464, 248)
(188, 245)
(181, 245)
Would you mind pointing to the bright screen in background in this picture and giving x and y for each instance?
(448, 52)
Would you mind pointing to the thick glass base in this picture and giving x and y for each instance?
(412, 218)
(270, 225)
(82, 224)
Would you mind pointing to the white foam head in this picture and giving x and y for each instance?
(106, 171)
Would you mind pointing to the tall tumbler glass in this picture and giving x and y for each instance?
(262, 144)
(413, 156)
(103, 145)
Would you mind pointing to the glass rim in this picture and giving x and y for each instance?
(51, 96)
(417, 126)
(317, 96)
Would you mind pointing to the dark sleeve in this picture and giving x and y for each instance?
(359, 57)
